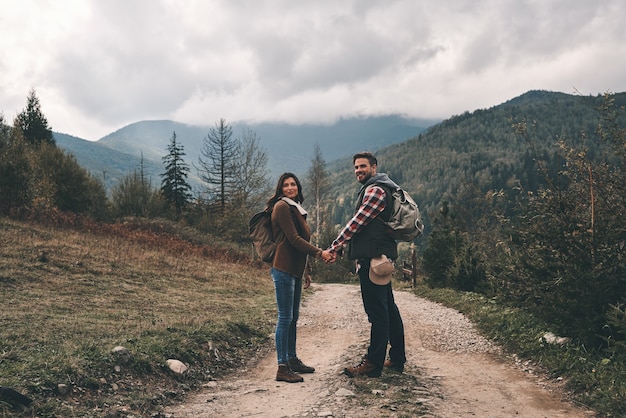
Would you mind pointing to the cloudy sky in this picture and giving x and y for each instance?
(98, 65)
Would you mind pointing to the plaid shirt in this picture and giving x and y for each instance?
(373, 204)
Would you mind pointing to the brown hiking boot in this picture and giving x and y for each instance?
(394, 366)
(365, 367)
(298, 366)
(285, 374)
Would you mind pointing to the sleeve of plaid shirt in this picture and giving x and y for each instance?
(373, 204)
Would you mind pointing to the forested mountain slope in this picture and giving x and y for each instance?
(480, 147)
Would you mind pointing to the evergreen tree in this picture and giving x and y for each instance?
(176, 191)
(439, 253)
(15, 169)
(35, 173)
(32, 122)
(561, 254)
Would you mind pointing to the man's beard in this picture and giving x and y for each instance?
(366, 178)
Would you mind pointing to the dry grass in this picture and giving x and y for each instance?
(69, 297)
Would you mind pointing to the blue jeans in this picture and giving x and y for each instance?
(384, 317)
(288, 294)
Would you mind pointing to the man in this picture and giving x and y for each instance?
(367, 239)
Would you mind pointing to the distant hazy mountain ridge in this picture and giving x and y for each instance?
(289, 147)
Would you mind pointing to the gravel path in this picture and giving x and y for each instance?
(451, 371)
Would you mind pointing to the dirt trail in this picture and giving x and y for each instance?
(451, 371)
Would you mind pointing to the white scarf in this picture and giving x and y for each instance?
(302, 211)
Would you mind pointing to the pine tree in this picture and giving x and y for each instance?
(32, 122)
(176, 191)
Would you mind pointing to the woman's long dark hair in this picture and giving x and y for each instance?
(279, 190)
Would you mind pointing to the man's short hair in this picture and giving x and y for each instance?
(365, 154)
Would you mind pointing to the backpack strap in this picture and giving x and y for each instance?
(387, 212)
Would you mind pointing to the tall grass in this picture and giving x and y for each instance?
(69, 297)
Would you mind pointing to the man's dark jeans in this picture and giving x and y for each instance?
(382, 312)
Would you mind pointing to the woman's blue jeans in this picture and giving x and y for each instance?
(288, 294)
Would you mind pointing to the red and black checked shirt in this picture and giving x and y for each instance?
(372, 206)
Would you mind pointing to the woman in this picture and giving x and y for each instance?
(292, 235)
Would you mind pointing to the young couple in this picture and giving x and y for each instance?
(368, 244)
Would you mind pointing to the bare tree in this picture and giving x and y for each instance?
(218, 164)
(318, 181)
(135, 196)
(252, 170)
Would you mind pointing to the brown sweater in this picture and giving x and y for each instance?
(292, 235)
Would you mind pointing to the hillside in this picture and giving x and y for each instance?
(105, 163)
(71, 295)
(479, 147)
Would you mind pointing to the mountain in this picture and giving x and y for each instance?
(289, 147)
(104, 163)
(430, 160)
(481, 148)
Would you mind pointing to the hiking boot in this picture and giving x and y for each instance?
(296, 365)
(398, 367)
(365, 367)
(285, 374)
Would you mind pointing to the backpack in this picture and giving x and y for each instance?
(260, 227)
(405, 222)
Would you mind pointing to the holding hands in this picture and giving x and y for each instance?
(329, 256)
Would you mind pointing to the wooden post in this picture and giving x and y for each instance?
(413, 265)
